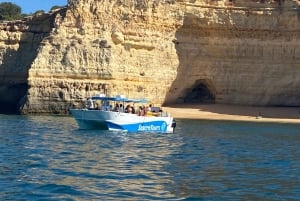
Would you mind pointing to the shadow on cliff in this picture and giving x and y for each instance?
(188, 86)
(197, 90)
(14, 69)
(14, 75)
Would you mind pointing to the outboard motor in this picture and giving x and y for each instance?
(173, 125)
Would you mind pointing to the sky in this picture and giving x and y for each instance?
(30, 6)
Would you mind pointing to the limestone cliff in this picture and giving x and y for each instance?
(239, 55)
(238, 52)
(19, 46)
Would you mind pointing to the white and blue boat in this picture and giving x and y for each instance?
(101, 113)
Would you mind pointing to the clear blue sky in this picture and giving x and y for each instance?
(30, 6)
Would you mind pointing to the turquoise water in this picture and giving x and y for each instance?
(48, 158)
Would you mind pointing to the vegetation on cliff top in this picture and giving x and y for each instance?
(10, 11)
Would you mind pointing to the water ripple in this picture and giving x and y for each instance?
(48, 158)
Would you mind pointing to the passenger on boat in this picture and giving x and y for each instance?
(141, 111)
(117, 107)
(121, 108)
(90, 104)
(150, 108)
(132, 110)
(145, 110)
(128, 109)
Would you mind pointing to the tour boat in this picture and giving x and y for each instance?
(109, 113)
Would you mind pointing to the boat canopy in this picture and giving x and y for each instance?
(119, 98)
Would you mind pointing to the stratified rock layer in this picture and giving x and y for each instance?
(243, 52)
(20, 42)
(245, 55)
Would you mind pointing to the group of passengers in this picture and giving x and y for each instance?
(141, 111)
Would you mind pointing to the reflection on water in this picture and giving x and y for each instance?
(46, 157)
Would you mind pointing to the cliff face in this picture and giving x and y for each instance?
(239, 55)
(19, 46)
(105, 47)
(239, 52)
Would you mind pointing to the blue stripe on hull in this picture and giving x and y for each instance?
(153, 126)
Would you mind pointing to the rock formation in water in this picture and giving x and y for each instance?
(217, 51)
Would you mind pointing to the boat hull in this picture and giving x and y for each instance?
(92, 119)
(96, 119)
(91, 124)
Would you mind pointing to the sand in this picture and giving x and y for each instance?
(234, 113)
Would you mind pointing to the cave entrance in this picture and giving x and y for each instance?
(12, 98)
(201, 92)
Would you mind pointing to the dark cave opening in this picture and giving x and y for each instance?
(12, 98)
(200, 93)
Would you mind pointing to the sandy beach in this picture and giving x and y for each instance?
(235, 113)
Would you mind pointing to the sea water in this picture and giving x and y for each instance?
(49, 158)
